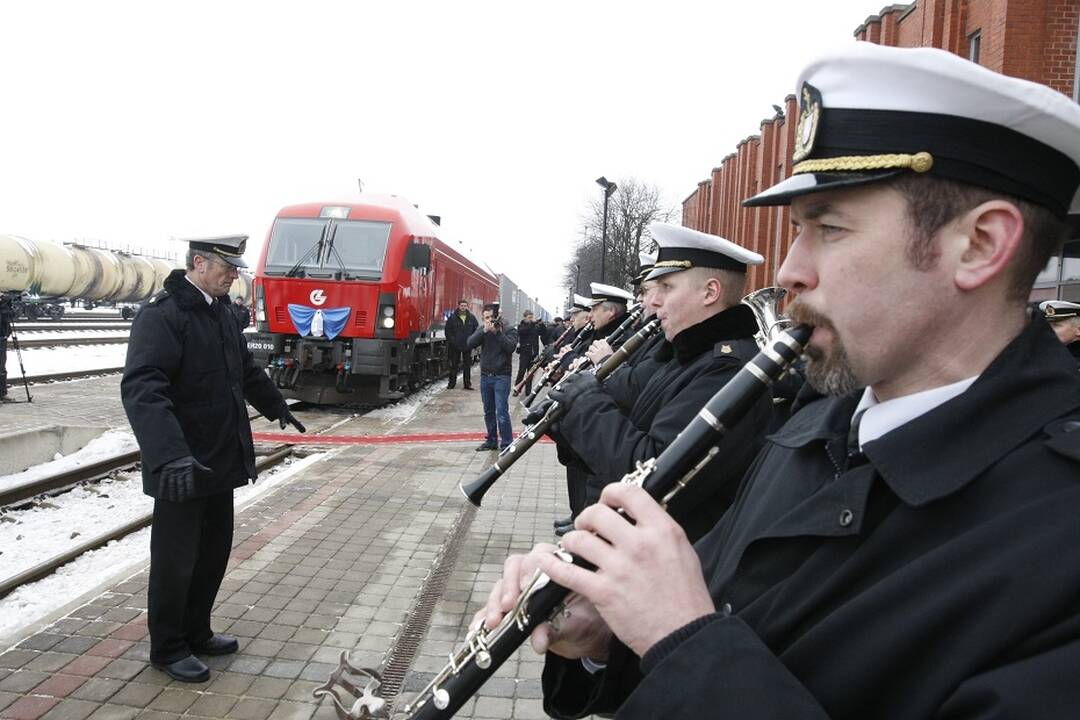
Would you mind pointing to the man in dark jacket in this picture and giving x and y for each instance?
(529, 332)
(906, 546)
(187, 375)
(496, 358)
(241, 312)
(459, 328)
(1064, 319)
(699, 283)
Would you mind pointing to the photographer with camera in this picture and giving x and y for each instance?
(496, 345)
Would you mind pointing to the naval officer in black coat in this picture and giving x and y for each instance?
(187, 375)
(700, 280)
(1064, 319)
(906, 546)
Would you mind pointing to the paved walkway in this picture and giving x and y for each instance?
(332, 560)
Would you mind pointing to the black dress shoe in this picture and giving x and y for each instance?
(467, 387)
(568, 520)
(217, 645)
(190, 669)
(563, 529)
(485, 446)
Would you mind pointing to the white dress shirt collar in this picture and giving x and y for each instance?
(206, 295)
(882, 417)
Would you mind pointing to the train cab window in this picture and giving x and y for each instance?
(293, 240)
(361, 244)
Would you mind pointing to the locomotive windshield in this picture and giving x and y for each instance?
(320, 247)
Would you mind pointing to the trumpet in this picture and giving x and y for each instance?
(475, 490)
(662, 477)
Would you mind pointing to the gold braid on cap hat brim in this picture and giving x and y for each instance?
(920, 162)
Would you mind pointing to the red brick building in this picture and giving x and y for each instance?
(1032, 39)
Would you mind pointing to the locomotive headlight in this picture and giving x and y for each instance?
(260, 310)
(388, 322)
(388, 310)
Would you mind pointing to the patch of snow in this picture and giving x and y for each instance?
(403, 410)
(45, 361)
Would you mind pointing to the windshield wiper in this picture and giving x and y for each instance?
(315, 250)
(330, 244)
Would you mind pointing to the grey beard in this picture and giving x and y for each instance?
(831, 375)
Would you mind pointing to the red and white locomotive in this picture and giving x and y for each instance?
(351, 299)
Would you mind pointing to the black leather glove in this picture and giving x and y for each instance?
(538, 412)
(177, 482)
(287, 418)
(573, 387)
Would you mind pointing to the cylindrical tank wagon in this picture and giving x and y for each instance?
(93, 276)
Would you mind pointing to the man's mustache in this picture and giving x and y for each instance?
(801, 313)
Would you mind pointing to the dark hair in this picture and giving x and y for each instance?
(934, 202)
(462, 300)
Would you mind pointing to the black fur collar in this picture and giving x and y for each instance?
(731, 324)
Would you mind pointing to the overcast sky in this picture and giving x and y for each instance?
(133, 122)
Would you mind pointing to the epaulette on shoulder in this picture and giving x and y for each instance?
(1063, 436)
(158, 297)
(741, 349)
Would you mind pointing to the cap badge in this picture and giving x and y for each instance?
(726, 349)
(1050, 311)
(809, 116)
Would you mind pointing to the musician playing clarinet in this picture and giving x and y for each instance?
(906, 546)
(700, 279)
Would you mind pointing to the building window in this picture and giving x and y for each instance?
(1060, 280)
(974, 43)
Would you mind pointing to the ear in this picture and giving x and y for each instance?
(990, 236)
(714, 290)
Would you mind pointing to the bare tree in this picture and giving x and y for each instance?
(630, 210)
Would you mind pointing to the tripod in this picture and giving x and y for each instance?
(22, 369)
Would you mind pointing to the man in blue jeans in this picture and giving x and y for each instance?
(496, 345)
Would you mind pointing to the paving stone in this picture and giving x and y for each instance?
(156, 715)
(263, 648)
(110, 647)
(301, 690)
(284, 669)
(15, 659)
(121, 669)
(59, 685)
(71, 709)
(136, 694)
(76, 645)
(212, 705)
(50, 661)
(41, 641)
(114, 712)
(229, 683)
(269, 688)
(175, 700)
(248, 665)
(6, 698)
(30, 708)
(97, 689)
(296, 651)
(292, 711)
(23, 680)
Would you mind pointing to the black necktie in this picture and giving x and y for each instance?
(854, 454)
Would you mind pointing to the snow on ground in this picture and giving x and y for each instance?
(64, 336)
(50, 531)
(45, 361)
(108, 444)
(402, 411)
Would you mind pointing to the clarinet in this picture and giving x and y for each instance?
(662, 477)
(546, 377)
(475, 490)
(542, 359)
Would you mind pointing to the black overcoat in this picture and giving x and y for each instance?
(457, 333)
(688, 372)
(939, 580)
(187, 373)
(529, 338)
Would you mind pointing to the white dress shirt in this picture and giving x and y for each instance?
(882, 417)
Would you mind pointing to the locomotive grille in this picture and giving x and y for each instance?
(361, 318)
(279, 314)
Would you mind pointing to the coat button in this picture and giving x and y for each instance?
(725, 609)
(846, 517)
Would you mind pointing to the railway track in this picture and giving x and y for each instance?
(65, 327)
(15, 381)
(71, 342)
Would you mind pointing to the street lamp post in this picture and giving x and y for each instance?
(577, 279)
(609, 188)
